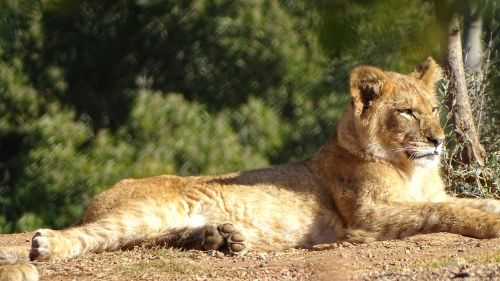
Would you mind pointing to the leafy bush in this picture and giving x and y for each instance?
(473, 180)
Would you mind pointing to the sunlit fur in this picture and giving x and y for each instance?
(376, 178)
(16, 270)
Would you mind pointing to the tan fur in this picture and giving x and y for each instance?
(376, 178)
(16, 270)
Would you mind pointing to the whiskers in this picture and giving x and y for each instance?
(414, 150)
(412, 154)
(400, 149)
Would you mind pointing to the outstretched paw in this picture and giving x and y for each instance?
(42, 244)
(226, 238)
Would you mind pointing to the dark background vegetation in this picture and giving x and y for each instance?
(95, 91)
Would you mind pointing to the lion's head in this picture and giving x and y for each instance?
(395, 116)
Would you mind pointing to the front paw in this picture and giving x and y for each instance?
(43, 244)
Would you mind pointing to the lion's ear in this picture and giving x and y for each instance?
(428, 73)
(366, 84)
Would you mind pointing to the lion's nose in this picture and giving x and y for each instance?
(435, 140)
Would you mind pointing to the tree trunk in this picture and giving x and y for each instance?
(473, 28)
(458, 100)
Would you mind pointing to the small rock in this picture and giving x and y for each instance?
(215, 254)
(322, 247)
(262, 256)
(347, 244)
(460, 275)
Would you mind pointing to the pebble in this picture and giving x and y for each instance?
(460, 275)
(346, 244)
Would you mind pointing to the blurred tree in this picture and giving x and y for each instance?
(472, 36)
(394, 34)
(216, 52)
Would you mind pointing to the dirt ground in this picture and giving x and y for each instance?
(424, 257)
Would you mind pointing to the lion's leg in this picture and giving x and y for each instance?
(486, 205)
(134, 224)
(383, 221)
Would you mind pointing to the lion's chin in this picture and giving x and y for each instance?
(427, 161)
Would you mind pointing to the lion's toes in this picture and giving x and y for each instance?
(234, 239)
(42, 244)
(225, 238)
(236, 244)
(226, 229)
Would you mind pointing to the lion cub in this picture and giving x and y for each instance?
(376, 178)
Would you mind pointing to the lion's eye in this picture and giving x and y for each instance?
(435, 110)
(407, 113)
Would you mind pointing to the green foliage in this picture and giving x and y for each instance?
(388, 33)
(215, 52)
(167, 130)
(19, 103)
(54, 144)
(257, 127)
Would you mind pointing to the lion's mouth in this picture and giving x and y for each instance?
(429, 158)
(424, 155)
(416, 155)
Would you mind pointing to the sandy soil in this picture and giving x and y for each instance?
(423, 257)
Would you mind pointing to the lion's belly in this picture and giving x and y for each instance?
(269, 217)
